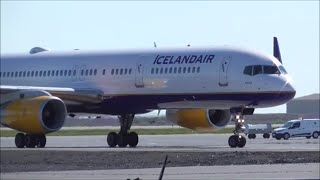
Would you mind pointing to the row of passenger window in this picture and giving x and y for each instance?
(122, 71)
(263, 69)
(175, 70)
(48, 73)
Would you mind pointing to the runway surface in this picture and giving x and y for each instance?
(278, 171)
(189, 142)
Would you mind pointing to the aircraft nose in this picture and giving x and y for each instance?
(288, 91)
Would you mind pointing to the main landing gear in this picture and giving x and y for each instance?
(123, 138)
(238, 140)
(30, 140)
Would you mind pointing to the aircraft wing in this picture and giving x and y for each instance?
(69, 95)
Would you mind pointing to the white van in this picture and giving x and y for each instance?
(298, 128)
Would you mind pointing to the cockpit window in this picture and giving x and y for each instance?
(271, 70)
(257, 69)
(248, 70)
(283, 70)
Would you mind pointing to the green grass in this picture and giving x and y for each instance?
(12, 133)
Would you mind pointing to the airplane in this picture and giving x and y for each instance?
(201, 88)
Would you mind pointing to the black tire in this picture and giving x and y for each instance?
(42, 140)
(30, 141)
(233, 141)
(278, 138)
(266, 135)
(123, 140)
(250, 136)
(112, 139)
(308, 137)
(20, 140)
(133, 139)
(241, 141)
(315, 135)
(254, 136)
(286, 136)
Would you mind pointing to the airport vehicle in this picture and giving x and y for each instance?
(200, 88)
(298, 128)
(253, 129)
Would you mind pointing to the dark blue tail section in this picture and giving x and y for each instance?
(276, 49)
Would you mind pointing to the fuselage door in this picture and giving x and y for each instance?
(223, 71)
(139, 73)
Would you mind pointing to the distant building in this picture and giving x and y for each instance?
(305, 105)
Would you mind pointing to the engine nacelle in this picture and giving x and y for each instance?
(200, 119)
(37, 115)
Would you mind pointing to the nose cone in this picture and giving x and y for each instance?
(287, 92)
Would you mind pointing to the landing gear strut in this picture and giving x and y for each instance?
(123, 138)
(238, 140)
(30, 140)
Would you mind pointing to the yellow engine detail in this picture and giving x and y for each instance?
(38, 115)
(200, 119)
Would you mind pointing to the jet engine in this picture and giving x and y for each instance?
(200, 119)
(37, 115)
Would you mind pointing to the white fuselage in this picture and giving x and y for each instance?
(191, 77)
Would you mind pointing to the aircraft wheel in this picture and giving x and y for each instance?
(123, 140)
(286, 136)
(30, 141)
(42, 140)
(315, 135)
(112, 139)
(254, 136)
(133, 139)
(233, 141)
(20, 140)
(241, 141)
(250, 136)
(308, 137)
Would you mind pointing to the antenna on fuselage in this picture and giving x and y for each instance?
(154, 44)
(276, 49)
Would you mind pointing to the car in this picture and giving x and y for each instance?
(298, 128)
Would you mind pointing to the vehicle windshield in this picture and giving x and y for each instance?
(287, 125)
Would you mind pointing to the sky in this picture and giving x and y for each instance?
(98, 25)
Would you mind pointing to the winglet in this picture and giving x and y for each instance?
(276, 49)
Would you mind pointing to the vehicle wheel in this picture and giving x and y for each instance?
(123, 140)
(133, 139)
(278, 138)
(30, 141)
(112, 139)
(286, 136)
(254, 136)
(42, 140)
(266, 135)
(308, 137)
(315, 135)
(20, 140)
(242, 141)
(233, 141)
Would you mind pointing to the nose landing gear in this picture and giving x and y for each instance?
(238, 140)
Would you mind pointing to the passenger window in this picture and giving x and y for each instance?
(117, 71)
(32, 73)
(296, 125)
(69, 73)
(40, 73)
(248, 70)
(24, 74)
(44, 73)
(112, 71)
(82, 72)
(170, 70)
(95, 72)
(49, 73)
(126, 71)
(184, 70)
(104, 72)
(52, 73)
(179, 70)
(130, 71)
(193, 69)
(157, 70)
(121, 71)
(28, 73)
(74, 72)
(61, 72)
(65, 72)
(57, 72)
(152, 70)
(166, 70)
(257, 69)
(87, 72)
(90, 73)
(36, 75)
(198, 70)
(175, 70)
(189, 69)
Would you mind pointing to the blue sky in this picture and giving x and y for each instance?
(117, 25)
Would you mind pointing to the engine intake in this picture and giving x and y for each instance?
(38, 115)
